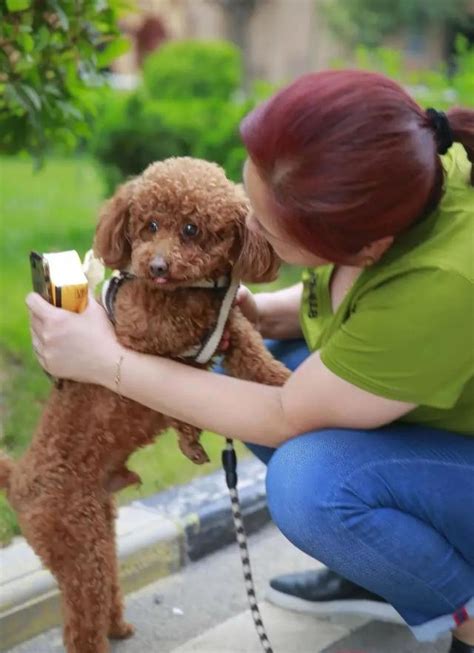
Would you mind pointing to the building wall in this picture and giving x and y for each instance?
(284, 39)
(280, 39)
(203, 19)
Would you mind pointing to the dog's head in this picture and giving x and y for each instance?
(180, 221)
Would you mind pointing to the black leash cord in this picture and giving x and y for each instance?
(229, 462)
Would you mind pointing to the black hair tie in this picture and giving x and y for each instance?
(440, 124)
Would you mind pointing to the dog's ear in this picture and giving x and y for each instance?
(256, 260)
(111, 242)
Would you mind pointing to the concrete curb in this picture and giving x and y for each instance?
(156, 536)
(202, 508)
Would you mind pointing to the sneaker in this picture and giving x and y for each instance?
(460, 647)
(322, 591)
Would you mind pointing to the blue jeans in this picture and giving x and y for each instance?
(391, 509)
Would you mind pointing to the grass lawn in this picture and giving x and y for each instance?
(56, 209)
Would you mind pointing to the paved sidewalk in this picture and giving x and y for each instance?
(203, 609)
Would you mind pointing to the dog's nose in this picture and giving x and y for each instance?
(158, 266)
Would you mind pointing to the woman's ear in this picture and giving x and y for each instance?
(373, 252)
(111, 242)
(256, 259)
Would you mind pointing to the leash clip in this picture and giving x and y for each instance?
(229, 463)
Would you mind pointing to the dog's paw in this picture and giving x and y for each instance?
(121, 630)
(194, 451)
(200, 457)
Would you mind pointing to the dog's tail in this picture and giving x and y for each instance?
(6, 468)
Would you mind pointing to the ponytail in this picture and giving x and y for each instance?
(461, 122)
(348, 157)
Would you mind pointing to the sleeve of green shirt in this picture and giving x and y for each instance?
(408, 339)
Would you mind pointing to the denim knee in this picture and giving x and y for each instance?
(302, 477)
(349, 499)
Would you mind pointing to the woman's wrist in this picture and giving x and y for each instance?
(265, 312)
(109, 369)
(278, 313)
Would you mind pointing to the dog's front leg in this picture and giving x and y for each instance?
(188, 440)
(247, 357)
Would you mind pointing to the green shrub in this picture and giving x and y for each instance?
(197, 69)
(136, 131)
(188, 105)
(370, 21)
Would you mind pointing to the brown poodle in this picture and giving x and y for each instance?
(180, 222)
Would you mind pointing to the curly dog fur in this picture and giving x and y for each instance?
(62, 487)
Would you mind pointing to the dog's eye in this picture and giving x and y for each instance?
(190, 230)
(153, 226)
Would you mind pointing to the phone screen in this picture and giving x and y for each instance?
(40, 276)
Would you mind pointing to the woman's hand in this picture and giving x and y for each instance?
(274, 314)
(247, 303)
(82, 347)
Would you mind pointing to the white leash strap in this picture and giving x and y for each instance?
(203, 352)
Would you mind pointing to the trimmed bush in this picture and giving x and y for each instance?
(187, 106)
(134, 133)
(197, 69)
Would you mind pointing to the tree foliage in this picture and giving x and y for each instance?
(51, 55)
(369, 21)
(436, 87)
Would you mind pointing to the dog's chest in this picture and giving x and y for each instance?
(165, 323)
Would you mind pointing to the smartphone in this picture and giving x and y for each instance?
(42, 285)
(40, 276)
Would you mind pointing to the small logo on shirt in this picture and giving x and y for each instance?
(312, 295)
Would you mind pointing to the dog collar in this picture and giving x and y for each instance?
(110, 289)
(203, 351)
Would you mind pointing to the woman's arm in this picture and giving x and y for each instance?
(248, 411)
(314, 398)
(84, 348)
(275, 314)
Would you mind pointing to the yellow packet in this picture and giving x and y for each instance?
(60, 279)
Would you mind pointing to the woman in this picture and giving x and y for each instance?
(369, 444)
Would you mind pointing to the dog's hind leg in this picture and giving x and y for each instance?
(118, 628)
(81, 563)
(85, 623)
(121, 478)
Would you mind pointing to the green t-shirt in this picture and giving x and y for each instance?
(405, 330)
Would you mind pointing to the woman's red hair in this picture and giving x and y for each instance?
(348, 157)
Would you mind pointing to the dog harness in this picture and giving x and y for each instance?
(202, 352)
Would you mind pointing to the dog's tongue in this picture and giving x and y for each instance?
(161, 280)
